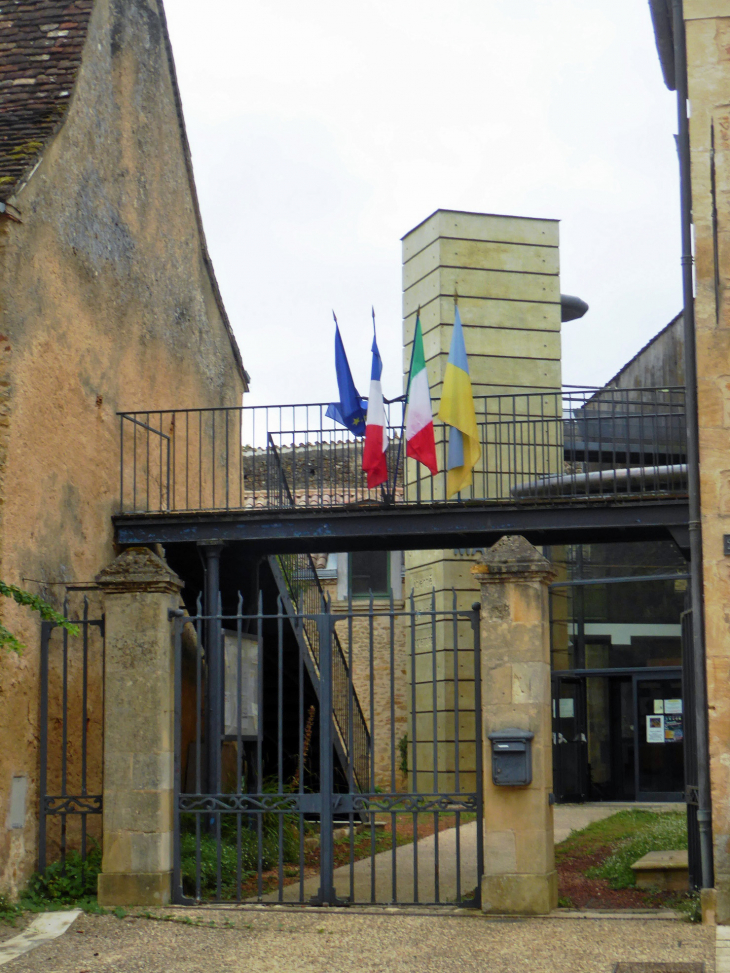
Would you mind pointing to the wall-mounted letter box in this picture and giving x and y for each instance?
(511, 757)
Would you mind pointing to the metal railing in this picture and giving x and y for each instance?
(538, 446)
(308, 599)
(71, 737)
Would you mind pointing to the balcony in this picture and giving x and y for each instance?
(540, 448)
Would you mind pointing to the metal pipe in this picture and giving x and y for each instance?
(213, 721)
(552, 484)
(624, 579)
(704, 814)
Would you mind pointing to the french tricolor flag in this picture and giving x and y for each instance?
(376, 431)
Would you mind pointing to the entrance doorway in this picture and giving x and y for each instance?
(618, 736)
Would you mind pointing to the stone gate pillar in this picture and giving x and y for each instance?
(139, 589)
(519, 857)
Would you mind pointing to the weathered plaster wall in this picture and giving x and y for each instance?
(659, 364)
(106, 303)
(708, 52)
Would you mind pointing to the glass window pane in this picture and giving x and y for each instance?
(369, 572)
(661, 736)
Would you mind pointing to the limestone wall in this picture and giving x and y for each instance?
(708, 53)
(385, 706)
(505, 271)
(107, 303)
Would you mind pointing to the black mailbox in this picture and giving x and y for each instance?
(511, 757)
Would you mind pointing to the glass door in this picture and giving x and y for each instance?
(570, 745)
(659, 735)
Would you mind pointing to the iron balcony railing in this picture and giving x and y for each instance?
(538, 446)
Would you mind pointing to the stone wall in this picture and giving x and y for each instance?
(505, 271)
(708, 54)
(386, 708)
(107, 303)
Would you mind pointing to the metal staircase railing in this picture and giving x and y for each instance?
(303, 596)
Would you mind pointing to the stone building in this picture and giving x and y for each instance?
(108, 302)
(706, 26)
(615, 633)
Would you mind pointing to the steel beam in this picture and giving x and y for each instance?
(408, 528)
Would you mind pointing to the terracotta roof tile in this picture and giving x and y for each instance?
(40, 54)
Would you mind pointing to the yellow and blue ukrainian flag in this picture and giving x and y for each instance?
(457, 410)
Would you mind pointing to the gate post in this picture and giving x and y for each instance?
(139, 591)
(519, 857)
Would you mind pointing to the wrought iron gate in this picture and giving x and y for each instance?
(294, 812)
(71, 736)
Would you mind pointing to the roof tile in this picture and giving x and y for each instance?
(40, 55)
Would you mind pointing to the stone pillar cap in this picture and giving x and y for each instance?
(513, 556)
(139, 569)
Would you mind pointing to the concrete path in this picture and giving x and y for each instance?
(417, 879)
(48, 926)
(277, 940)
(416, 882)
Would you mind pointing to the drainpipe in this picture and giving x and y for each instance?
(704, 814)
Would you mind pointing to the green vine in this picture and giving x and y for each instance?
(403, 750)
(47, 612)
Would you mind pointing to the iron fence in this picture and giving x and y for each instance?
(537, 446)
(71, 735)
(308, 600)
(282, 823)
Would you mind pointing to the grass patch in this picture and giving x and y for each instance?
(64, 883)
(9, 911)
(594, 864)
(661, 832)
(205, 861)
(689, 904)
(607, 833)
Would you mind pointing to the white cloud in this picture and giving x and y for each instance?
(321, 133)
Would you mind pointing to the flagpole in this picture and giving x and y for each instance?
(405, 407)
(383, 492)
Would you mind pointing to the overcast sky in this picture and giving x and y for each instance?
(322, 132)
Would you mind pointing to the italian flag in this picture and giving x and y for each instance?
(420, 442)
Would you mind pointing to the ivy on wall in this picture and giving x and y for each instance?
(47, 612)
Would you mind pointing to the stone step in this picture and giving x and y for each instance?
(667, 870)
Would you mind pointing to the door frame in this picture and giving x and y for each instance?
(637, 674)
(582, 723)
(668, 672)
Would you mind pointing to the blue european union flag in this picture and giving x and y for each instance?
(349, 411)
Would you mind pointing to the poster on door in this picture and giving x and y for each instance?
(655, 728)
(673, 728)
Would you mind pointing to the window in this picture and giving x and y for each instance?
(369, 572)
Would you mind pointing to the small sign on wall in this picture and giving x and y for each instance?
(18, 792)
(567, 709)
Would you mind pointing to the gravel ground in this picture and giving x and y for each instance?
(316, 941)
(7, 931)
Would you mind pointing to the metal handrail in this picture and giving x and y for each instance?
(341, 683)
(539, 446)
